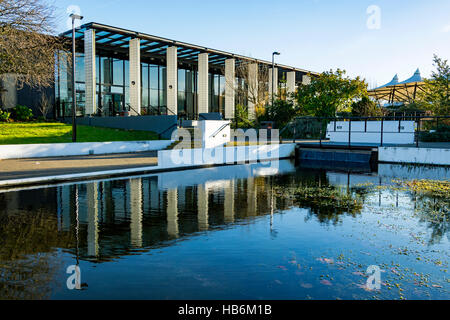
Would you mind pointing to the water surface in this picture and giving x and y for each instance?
(226, 233)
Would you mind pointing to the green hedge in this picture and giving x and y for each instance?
(442, 134)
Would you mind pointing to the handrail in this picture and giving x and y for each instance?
(175, 125)
(173, 113)
(419, 119)
(395, 118)
(220, 130)
(131, 108)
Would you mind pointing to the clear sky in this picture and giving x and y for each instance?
(315, 35)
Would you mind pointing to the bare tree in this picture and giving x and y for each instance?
(44, 105)
(27, 44)
(247, 89)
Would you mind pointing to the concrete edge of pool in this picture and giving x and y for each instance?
(251, 154)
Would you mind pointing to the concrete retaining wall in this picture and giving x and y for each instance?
(79, 149)
(414, 155)
(177, 158)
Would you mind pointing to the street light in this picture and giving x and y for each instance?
(273, 72)
(74, 91)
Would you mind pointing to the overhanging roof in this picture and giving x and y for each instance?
(117, 39)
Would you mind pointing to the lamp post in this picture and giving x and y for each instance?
(74, 91)
(273, 73)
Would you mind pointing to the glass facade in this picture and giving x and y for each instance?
(112, 78)
(216, 93)
(153, 81)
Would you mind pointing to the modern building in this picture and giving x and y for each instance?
(121, 72)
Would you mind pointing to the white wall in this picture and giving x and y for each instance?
(414, 155)
(179, 158)
(210, 128)
(79, 149)
(391, 134)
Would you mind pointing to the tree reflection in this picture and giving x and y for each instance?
(435, 213)
(326, 203)
(28, 262)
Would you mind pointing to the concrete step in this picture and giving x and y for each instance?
(195, 144)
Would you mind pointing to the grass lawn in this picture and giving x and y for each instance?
(49, 132)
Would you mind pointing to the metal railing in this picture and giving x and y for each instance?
(316, 127)
(175, 125)
(220, 130)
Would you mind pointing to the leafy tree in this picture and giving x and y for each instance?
(437, 90)
(366, 108)
(282, 112)
(330, 93)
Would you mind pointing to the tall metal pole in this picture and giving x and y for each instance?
(74, 90)
(74, 93)
(273, 74)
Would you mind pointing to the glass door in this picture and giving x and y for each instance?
(117, 102)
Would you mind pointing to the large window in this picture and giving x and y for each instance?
(113, 88)
(145, 85)
(216, 93)
(182, 93)
(118, 72)
(153, 88)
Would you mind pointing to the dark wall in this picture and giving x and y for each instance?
(163, 125)
(31, 98)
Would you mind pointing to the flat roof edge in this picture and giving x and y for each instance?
(144, 36)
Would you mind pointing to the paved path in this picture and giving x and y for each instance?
(43, 167)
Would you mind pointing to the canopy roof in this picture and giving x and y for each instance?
(116, 40)
(400, 92)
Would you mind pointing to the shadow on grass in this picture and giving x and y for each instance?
(43, 133)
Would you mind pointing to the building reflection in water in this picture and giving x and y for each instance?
(119, 216)
(172, 213)
(107, 219)
(103, 220)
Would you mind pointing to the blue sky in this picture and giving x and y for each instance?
(312, 34)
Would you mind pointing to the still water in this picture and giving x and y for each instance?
(227, 233)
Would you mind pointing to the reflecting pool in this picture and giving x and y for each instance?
(257, 231)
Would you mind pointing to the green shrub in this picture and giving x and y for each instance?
(442, 134)
(443, 128)
(241, 118)
(4, 116)
(22, 113)
(282, 112)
